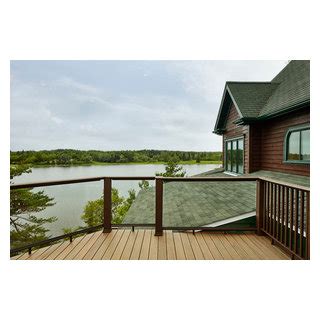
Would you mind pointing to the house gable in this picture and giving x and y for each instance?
(261, 113)
(259, 101)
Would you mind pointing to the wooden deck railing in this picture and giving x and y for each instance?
(283, 213)
(282, 210)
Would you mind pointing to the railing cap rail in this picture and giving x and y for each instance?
(71, 181)
(186, 179)
(286, 184)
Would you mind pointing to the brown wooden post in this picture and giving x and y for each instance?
(107, 205)
(159, 206)
(259, 206)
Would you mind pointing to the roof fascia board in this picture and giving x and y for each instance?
(220, 108)
(232, 219)
(295, 107)
(287, 110)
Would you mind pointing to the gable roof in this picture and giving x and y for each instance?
(255, 101)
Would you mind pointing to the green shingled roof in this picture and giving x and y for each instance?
(293, 88)
(251, 97)
(195, 204)
(259, 100)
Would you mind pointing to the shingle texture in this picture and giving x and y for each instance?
(291, 87)
(251, 97)
(194, 204)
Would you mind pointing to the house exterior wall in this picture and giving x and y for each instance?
(264, 142)
(235, 131)
(267, 143)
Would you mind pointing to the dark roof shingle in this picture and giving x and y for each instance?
(293, 88)
(258, 100)
(251, 97)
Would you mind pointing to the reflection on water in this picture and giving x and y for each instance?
(71, 199)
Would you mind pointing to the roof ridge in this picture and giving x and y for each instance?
(283, 69)
(269, 98)
(255, 82)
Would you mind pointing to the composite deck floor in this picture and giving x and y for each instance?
(141, 244)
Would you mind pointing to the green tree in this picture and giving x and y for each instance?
(25, 226)
(93, 211)
(144, 185)
(172, 169)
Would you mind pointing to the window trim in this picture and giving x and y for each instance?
(242, 137)
(297, 128)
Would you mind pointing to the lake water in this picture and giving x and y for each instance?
(70, 200)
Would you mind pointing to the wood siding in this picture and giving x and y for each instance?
(235, 131)
(267, 143)
(264, 142)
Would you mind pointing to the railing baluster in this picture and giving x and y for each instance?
(260, 205)
(265, 206)
(296, 210)
(278, 211)
(286, 216)
(270, 208)
(308, 225)
(159, 206)
(282, 214)
(301, 251)
(274, 193)
(107, 205)
(291, 217)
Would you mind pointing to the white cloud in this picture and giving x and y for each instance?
(65, 112)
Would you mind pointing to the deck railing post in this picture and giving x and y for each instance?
(159, 206)
(260, 205)
(107, 205)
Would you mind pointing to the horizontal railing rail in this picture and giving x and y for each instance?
(72, 181)
(282, 210)
(42, 243)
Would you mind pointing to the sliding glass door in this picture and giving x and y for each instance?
(234, 155)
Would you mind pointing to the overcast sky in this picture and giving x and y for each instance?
(121, 105)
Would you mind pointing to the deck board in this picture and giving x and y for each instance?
(162, 248)
(80, 255)
(153, 252)
(144, 253)
(187, 246)
(53, 255)
(207, 255)
(171, 251)
(118, 252)
(125, 244)
(135, 254)
(195, 247)
(129, 245)
(107, 238)
(212, 247)
(180, 254)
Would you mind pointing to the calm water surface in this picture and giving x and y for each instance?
(70, 200)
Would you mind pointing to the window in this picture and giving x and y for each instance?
(297, 145)
(234, 155)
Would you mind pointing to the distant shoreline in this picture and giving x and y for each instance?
(95, 163)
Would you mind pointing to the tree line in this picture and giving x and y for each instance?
(77, 157)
